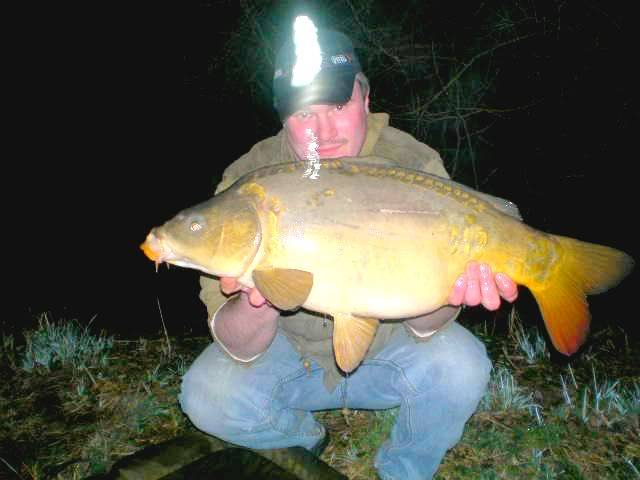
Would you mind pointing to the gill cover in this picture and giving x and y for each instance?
(238, 239)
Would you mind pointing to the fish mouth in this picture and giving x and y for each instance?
(157, 250)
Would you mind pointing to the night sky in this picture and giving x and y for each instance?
(124, 123)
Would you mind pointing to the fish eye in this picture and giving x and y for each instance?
(196, 223)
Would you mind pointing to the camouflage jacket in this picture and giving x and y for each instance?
(311, 333)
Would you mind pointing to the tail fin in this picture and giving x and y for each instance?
(583, 269)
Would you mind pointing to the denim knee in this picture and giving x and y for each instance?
(217, 399)
(455, 363)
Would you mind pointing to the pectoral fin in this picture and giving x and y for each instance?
(351, 339)
(285, 288)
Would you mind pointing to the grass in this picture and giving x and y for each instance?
(65, 344)
(75, 416)
(72, 403)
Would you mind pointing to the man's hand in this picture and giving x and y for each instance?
(230, 285)
(478, 285)
(246, 325)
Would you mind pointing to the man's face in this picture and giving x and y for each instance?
(330, 130)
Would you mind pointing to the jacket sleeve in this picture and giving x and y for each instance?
(409, 152)
(431, 162)
(234, 171)
(266, 152)
(210, 294)
(428, 160)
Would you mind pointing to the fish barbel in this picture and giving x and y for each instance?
(365, 242)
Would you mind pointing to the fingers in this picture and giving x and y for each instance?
(507, 288)
(478, 285)
(490, 298)
(229, 285)
(255, 298)
(456, 297)
(466, 290)
(473, 295)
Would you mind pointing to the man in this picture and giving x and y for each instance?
(258, 383)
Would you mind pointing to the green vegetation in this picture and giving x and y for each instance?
(505, 394)
(530, 341)
(66, 344)
(72, 417)
(71, 403)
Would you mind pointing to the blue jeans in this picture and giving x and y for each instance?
(268, 404)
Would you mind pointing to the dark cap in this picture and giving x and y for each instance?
(332, 84)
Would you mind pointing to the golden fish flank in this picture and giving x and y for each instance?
(317, 198)
(436, 186)
(468, 238)
(542, 254)
(381, 243)
(253, 189)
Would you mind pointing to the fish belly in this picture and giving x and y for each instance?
(382, 275)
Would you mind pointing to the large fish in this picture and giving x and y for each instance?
(365, 241)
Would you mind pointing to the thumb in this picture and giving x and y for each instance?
(255, 298)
